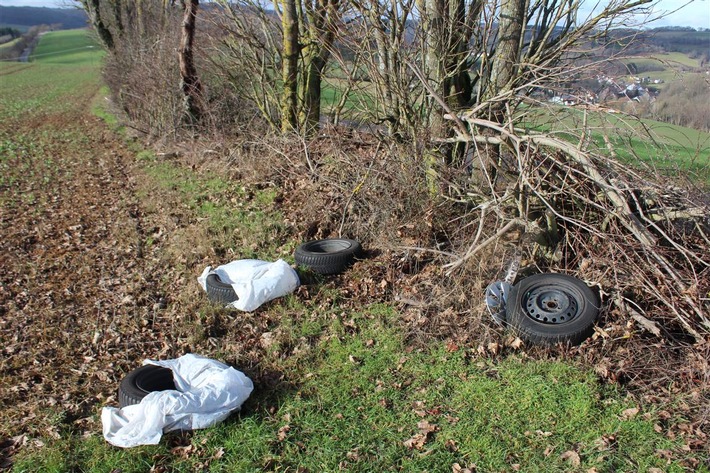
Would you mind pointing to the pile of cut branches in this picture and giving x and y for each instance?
(646, 244)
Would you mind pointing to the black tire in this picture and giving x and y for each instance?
(330, 256)
(552, 308)
(218, 291)
(141, 381)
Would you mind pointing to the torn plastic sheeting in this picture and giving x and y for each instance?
(207, 393)
(254, 281)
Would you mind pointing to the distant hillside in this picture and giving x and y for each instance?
(662, 40)
(68, 18)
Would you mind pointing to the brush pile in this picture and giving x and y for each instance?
(645, 244)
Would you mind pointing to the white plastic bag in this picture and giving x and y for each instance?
(207, 393)
(254, 281)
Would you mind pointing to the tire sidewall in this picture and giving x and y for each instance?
(130, 390)
(579, 327)
(307, 249)
(328, 256)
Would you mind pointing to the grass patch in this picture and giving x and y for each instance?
(359, 101)
(68, 47)
(359, 402)
(239, 218)
(666, 60)
(99, 109)
(53, 83)
(668, 148)
(9, 44)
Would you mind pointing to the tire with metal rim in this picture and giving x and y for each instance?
(141, 381)
(219, 292)
(552, 308)
(329, 256)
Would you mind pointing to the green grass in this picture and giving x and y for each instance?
(355, 399)
(668, 148)
(51, 83)
(238, 217)
(43, 88)
(673, 67)
(668, 61)
(68, 47)
(9, 44)
(353, 395)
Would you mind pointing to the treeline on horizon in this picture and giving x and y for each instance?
(76, 18)
(63, 18)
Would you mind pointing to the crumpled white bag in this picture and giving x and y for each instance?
(207, 393)
(254, 281)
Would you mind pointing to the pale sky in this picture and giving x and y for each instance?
(695, 13)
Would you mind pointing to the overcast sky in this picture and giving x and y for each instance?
(695, 13)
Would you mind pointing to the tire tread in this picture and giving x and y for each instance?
(327, 263)
(538, 333)
(219, 292)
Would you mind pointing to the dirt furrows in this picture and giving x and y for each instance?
(71, 278)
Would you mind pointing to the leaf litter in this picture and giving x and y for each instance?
(84, 296)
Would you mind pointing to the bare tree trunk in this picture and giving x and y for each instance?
(117, 6)
(189, 82)
(434, 28)
(321, 34)
(505, 67)
(457, 65)
(289, 58)
(93, 9)
(312, 98)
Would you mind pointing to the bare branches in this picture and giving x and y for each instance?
(584, 193)
(475, 248)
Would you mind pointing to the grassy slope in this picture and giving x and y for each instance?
(675, 67)
(661, 145)
(354, 396)
(27, 91)
(666, 59)
(69, 47)
(9, 44)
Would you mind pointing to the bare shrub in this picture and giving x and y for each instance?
(142, 72)
(143, 76)
(13, 52)
(137, 74)
(684, 102)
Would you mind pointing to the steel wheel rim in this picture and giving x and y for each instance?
(551, 304)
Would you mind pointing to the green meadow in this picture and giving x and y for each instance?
(67, 47)
(353, 394)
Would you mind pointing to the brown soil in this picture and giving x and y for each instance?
(73, 274)
(84, 297)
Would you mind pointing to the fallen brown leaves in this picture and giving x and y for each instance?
(426, 430)
(571, 457)
(84, 296)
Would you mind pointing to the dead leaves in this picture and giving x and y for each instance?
(457, 468)
(283, 432)
(571, 457)
(8, 449)
(417, 441)
(195, 451)
(630, 413)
